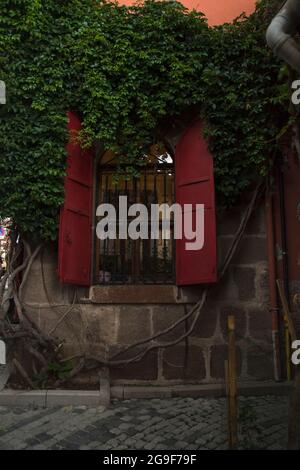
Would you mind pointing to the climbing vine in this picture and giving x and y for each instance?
(130, 73)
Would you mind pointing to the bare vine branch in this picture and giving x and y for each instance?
(31, 330)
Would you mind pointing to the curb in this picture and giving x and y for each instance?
(125, 392)
(93, 398)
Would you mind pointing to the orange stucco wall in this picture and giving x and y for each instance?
(217, 11)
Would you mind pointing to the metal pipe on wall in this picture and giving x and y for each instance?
(272, 286)
(284, 246)
(285, 265)
(281, 32)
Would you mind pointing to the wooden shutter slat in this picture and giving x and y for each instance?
(195, 185)
(75, 237)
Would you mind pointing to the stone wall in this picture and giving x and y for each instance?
(103, 320)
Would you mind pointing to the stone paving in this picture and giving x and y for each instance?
(156, 424)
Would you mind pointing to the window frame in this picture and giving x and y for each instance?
(171, 241)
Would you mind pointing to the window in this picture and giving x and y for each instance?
(137, 261)
(141, 261)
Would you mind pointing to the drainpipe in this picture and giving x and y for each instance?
(281, 32)
(285, 267)
(284, 246)
(272, 286)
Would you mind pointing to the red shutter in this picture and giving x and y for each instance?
(75, 236)
(195, 185)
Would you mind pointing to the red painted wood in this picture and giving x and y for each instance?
(195, 185)
(75, 236)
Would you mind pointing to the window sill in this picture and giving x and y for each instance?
(134, 294)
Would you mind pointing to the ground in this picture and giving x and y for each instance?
(157, 424)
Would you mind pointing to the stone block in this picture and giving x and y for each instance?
(117, 392)
(189, 294)
(244, 279)
(228, 221)
(260, 362)
(86, 380)
(295, 296)
(218, 355)
(56, 292)
(260, 324)
(11, 398)
(73, 398)
(50, 320)
(70, 349)
(93, 349)
(134, 324)
(100, 323)
(146, 392)
(207, 322)
(240, 320)
(34, 314)
(226, 289)
(4, 375)
(180, 363)
(251, 250)
(165, 316)
(223, 245)
(104, 392)
(262, 283)
(68, 328)
(144, 369)
(33, 291)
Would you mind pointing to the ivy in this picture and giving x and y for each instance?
(128, 71)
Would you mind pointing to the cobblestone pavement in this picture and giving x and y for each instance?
(157, 424)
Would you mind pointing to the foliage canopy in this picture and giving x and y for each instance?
(127, 71)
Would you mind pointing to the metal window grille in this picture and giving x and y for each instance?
(150, 261)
